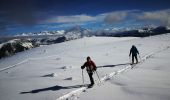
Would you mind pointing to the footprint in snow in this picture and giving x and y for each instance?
(66, 67)
(69, 78)
(50, 75)
(58, 58)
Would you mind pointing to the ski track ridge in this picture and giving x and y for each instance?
(24, 61)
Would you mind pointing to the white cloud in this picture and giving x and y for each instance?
(118, 16)
(115, 17)
(162, 16)
(72, 19)
(110, 17)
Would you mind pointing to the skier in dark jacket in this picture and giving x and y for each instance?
(134, 51)
(90, 67)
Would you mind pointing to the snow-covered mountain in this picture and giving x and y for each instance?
(77, 32)
(58, 32)
(71, 31)
(14, 46)
(52, 37)
(134, 32)
(43, 38)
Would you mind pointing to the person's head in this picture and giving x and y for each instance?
(88, 58)
(133, 46)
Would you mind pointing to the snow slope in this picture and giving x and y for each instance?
(50, 72)
(147, 81)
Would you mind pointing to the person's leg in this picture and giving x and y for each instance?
(136, 58)
(91, 78)
(132, 59)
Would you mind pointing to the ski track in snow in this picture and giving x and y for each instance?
(76, 93)
(24, 61)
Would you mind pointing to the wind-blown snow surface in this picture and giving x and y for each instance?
(49, 72)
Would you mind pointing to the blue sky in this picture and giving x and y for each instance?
(17, 16)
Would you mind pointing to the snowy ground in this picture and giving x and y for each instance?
(146, 81)
(53, 71)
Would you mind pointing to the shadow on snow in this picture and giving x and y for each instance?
(53, 88)
(113, 65)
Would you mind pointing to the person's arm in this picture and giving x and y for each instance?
(137, 51)
(84, 65)
(130, 52)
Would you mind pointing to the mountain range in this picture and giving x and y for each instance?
(25, 41)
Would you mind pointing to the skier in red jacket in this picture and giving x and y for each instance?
(90, 67)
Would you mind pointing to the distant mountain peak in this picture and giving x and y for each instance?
(76, 28)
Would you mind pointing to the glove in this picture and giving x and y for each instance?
(82, 67)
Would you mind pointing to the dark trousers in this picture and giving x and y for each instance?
(134, 56)
(91, 78)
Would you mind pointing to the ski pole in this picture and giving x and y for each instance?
(98, 77)
(82, 77)
(130, 60)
